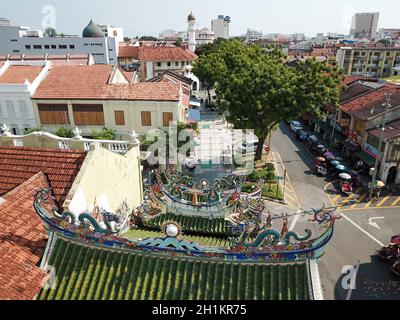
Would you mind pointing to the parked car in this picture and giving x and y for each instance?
(295, 126)
(311, 141)
(301, 135)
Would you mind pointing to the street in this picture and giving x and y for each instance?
(362, 229)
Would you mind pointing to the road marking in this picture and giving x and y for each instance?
(380, 204)
(290, 197)
(336, 198)
(347, 200)
(362, 230)
(368, 204)
(288, 180)
(373, 208)
(395, 202)
(372, 223)
(296, 218)
(359, 200)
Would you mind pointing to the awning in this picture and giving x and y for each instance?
(370, 161)
(195, 103)
(194, 115)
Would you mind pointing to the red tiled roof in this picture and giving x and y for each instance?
(350, 79)
(128, 52)
(18, 74)
(370, 98)
(74, 82)
(166, 54)
(22, 242)
(91, 83)
(159, 91)
(18, 164)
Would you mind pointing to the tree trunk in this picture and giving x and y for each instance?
(209, 96)
(260, 147)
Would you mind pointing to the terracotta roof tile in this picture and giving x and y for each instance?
(18, 164)
(166, 54)
(91, 83)
(163, 91)
(17, 74)
(128, 52)
(74, 82)
(22, 242)
(370, 98)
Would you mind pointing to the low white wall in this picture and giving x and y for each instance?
(109, 179)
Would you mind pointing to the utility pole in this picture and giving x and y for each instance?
(334, 127)
(375, 173)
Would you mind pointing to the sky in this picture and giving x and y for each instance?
(150, 17)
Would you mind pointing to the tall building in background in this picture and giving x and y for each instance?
(364, 25)
(4, 22)
(220, 27)
(18, 40)
(112, 32)
(253, 35)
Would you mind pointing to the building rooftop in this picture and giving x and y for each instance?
(216, 280)
(19, 164)
(373, 109)
(160, 54)
(54, 58)
(92, 83)
(160, 91)
(22, 241)
(369, 99)
(17, 74)
(354, 90)
(92, 30)
(128, 52)
(392, 130)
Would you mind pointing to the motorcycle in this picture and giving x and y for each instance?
(389, 252)
(356, 179)
(346, 183)
(320, 170)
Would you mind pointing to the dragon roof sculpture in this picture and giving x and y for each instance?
(252, 241)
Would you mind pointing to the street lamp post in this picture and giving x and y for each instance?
(334, 127)
(383, 125)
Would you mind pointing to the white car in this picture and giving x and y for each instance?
(295, 126)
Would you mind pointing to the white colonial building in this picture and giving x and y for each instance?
(18, 83)
(18, 40)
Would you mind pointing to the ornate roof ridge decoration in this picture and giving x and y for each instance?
(270, 245)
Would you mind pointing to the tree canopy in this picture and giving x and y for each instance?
(257, 90)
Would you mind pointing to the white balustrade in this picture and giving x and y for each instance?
(18, 143)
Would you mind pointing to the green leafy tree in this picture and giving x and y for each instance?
(104, 134)
(65, 133)
(258, 91)
(148, 38)
(178, 42)
(51, 32)
(204, 69)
